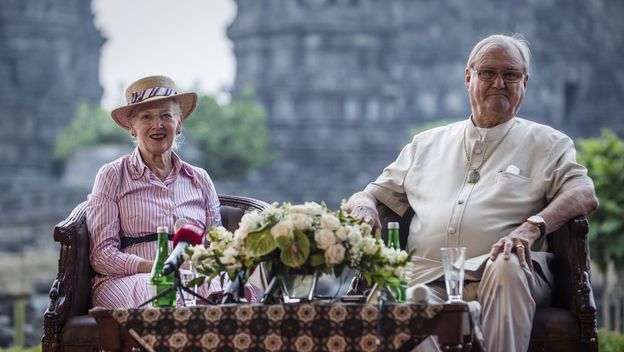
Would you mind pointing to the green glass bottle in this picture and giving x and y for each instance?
(394, 242)
(393, 235)
(162, 282)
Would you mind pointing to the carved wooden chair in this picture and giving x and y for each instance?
(570, 323)
(66, 325)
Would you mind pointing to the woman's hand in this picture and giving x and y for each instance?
(145, 266)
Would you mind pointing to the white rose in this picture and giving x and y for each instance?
(301, 221)
(250, 222)
(298, 209)
(282, 229)
(354, 236)
(198, 251)
(343, 205)
(229, 256)
(313, 208)
(368, 245)
(324, 238)
(366, 229)
(329, 221)
(342, 233)
(334, 254)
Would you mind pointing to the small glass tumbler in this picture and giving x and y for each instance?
(453, 259)
(186, 276)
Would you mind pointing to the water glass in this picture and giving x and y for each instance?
(453, 259)
(186, 276)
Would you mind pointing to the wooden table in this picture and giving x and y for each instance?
(286, 327)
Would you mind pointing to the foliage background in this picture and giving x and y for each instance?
(232, 137)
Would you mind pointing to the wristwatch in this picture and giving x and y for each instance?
(539, 222)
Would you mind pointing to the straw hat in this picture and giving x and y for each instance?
(149, 89)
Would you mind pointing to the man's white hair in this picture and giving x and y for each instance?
(516, 40)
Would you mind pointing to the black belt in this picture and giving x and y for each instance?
(131, 241)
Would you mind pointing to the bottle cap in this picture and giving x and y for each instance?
(162, 229)
(393, 225)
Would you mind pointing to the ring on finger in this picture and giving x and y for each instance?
(520, 246)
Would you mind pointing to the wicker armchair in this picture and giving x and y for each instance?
(66, 325)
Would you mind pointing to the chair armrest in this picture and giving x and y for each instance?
(572, 271)
(245, 203)
(62, 291)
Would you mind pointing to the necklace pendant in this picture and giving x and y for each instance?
(473, 176)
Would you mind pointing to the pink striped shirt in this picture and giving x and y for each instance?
(128, 199)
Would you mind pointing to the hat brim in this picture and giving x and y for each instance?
(187, 101)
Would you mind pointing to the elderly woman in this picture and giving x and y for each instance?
(136, 193)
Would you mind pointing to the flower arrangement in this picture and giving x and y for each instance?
(301, 239)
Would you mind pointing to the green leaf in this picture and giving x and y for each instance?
(283, 242)
(317, 260)
(603, 157)
(268, 265)
(297, 253)
(198, 281)
(235, 135)
(261, 242)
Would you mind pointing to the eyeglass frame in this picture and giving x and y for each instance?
(502, 74)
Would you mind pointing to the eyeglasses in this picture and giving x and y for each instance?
(488, 75)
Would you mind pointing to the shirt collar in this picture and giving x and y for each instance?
(137, 167)
(488, 134)
(178, 165)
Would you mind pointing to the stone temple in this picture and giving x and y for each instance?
(49, 59)
(343, 80)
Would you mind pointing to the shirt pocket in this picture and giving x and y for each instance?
(512, 190)
(504, 177)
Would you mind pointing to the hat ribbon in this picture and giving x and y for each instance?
(139, 96)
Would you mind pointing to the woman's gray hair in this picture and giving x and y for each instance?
(516, 40)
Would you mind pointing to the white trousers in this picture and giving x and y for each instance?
(509, 295)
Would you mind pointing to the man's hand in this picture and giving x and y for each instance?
(368, 215)
(518, 241)
(364, 206)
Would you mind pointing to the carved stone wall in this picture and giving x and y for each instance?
(342, 80)
(49, 60)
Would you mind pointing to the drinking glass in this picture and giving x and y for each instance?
(453, 259)
(185, 277)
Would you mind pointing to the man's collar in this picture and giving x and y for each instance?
(488, 134)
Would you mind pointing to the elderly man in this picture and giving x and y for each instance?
(494, 183)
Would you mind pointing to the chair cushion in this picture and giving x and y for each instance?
(554, 329)
(80, 330)
(230, 217)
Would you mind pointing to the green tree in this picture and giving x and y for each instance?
(232, 138)
(416, 129)
(89, 126)
(604, 159)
